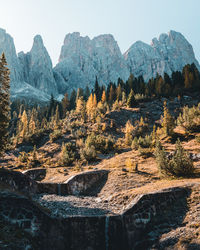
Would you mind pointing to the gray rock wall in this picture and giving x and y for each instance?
(79, 184)
(119, 232)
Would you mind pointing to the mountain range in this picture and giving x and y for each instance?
(82, 59)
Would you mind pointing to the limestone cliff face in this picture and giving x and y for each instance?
(7, 46)
(171, 52)
(20, 88)
(82, 59)
(37, 67)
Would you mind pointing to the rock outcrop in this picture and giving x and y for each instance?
(86, 183)
(20, 88)
(31, 226)
(18, 181)
(82, 60)
(37, 67)
(171, 52)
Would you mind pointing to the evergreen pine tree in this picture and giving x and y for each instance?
(73, 100)
(168, 122)
(131, 100)
(130, 82)
(24, 121)
(123, 98)
(81, 108)
(4, 102)
(181, 164)
(103, 98)
(89, 106)
(79, 94)
(56, 118)
(65, 104)
(111, 95)
(94, 101)
(86, 93)
(32, 125)
(119, 93)
(97, 90)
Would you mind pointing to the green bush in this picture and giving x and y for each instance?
(140, 127)
(145, 152)
(197, 138)
(88, 153)
(66, 156)
(23, 157)
(80, 133)
(100, 143)
(189, 119)
(145, 142)
(55, 135)
(179, 165)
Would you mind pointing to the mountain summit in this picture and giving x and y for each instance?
(171, 52)
(83, 59)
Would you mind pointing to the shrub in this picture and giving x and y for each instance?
(90, 141)
(145, 142)
(116, 105)
(130, 164)
(128, 133)
(70, 146)
(140, 97)
(55, 135)
(34, 161)
(88, 153)
(145, 152)
(179, 165)
(189, 119)
(80, 133)
(197, 138)
(167, 122)
(131, 100)
(23, 157)
(140, 127)
(66, 156)
(100, 143)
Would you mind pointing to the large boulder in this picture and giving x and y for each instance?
(17, 181)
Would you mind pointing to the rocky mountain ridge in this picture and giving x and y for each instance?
(171, 52)
(83, 59)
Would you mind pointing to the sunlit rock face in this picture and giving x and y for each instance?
(7, 46)
(82, 60)
(171, 52)
(37, 68)
(20, 88)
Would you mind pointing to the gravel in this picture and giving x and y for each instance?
(66, 206)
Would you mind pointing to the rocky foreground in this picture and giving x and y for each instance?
(163, 219)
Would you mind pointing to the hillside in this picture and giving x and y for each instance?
(62, 153)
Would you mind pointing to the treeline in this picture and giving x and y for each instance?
(180, 83)
(101, 99)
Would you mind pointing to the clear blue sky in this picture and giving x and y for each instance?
(127, 20)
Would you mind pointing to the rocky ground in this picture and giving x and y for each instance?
(177, 228)
(65, 206)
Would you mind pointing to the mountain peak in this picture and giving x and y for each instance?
(170, 52)
(38, 41)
